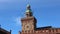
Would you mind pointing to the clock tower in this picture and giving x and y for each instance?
(29, 21)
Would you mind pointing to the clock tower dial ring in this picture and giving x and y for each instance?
(28, 27)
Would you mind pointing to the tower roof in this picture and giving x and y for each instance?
(28, 11)
(28, 5)
(28, 8)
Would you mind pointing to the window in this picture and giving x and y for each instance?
(53, 30)
(49, 30)
(56, 30)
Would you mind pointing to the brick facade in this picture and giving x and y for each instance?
(3, 31)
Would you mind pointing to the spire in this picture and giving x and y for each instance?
(28, 6)
(28, 11)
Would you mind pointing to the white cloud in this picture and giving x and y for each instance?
(18, 21)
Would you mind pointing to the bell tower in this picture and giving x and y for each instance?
(28, 22)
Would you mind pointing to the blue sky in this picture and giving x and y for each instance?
(47, 13)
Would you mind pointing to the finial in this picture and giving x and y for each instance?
(28, 6)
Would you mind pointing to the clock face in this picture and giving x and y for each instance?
(28, 26)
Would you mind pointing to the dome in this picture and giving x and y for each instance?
(28, 5)
(28, 10)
